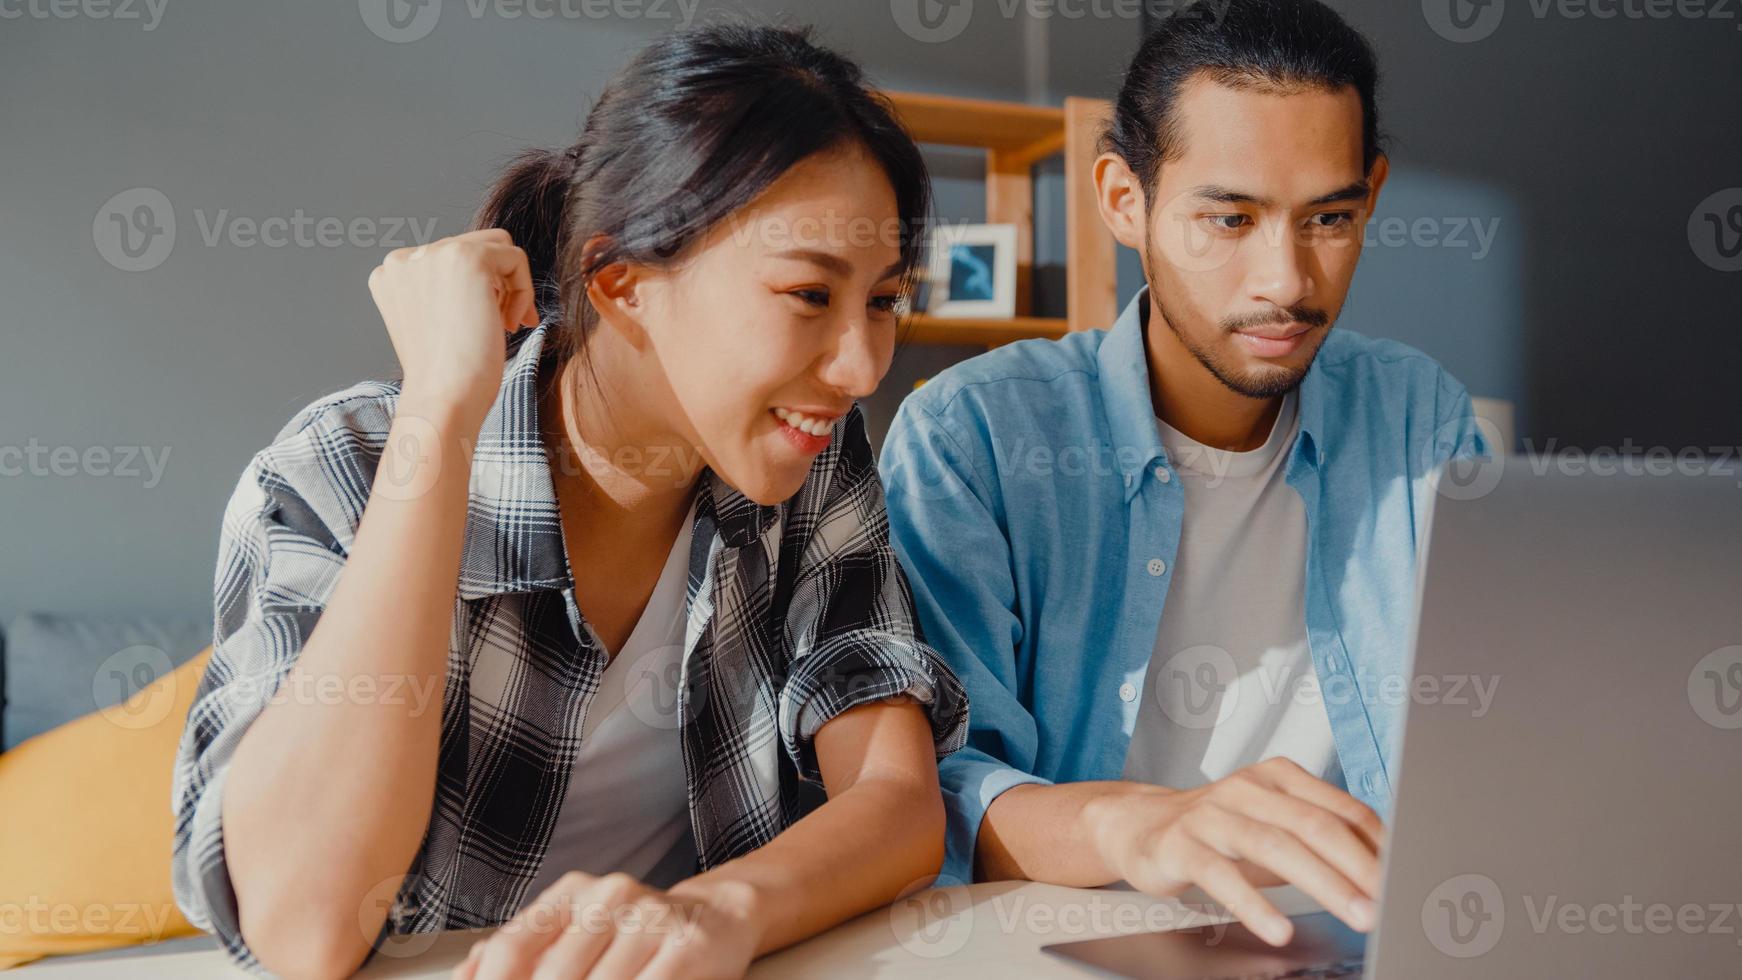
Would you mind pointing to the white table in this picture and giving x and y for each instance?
(976, 930)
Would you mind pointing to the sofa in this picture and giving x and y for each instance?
(56, 669)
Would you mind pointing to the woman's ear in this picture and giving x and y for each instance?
(618, 293)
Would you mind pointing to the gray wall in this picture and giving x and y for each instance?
(1588, 142)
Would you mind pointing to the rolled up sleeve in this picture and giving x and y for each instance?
(851, 624)
(277, 565)
(946, 533)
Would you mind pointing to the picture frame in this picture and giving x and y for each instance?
(972, 271)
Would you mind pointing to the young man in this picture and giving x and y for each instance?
(1174, 562)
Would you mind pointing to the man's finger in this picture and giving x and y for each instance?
(1236, 835)
(1222, 881)
(1324, 831)
(1296, 781)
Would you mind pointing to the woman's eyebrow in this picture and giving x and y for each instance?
(833, 263)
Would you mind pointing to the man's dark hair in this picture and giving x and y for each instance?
(1262, 44)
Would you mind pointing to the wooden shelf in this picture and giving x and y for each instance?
(977, 122)
(1016, 136)
(978, 332)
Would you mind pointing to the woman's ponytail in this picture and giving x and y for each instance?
(530, 201)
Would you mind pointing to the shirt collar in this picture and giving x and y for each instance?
(1123, 367)
(513, 536)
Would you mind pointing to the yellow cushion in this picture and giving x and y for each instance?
(86, 828)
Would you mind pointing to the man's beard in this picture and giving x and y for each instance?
(1264, 383)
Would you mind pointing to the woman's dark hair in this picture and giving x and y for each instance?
(1281, 44)
(696, 126)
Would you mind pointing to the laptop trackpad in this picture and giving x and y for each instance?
(1228, 949)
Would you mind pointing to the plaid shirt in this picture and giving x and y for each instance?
(796, 613)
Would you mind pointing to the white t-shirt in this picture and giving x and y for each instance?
(627, 805)
(1231, 680)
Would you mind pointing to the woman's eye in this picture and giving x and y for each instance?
(886, 304)
(813, 297)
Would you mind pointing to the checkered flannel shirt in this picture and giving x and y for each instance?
(796, 613)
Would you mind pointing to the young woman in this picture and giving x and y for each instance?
(618, 651)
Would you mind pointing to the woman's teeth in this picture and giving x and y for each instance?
(804, 423)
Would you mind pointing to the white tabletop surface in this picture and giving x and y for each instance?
(973, 930)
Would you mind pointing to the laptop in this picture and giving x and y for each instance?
(1588, 823)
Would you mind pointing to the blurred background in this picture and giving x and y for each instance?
(1563, 228)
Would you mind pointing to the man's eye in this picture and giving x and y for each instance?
(1227, 222)
(1333, 219)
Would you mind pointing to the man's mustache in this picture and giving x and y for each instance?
(1294, 314)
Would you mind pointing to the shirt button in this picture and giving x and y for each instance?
(1157, 567)
(1127, 692)
(1370, 784)
(1162, 474)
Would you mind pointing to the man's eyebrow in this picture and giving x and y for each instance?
(1354, 192)
(833, 263)
(1225, 195)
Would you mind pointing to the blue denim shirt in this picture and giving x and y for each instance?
(1034, 510)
